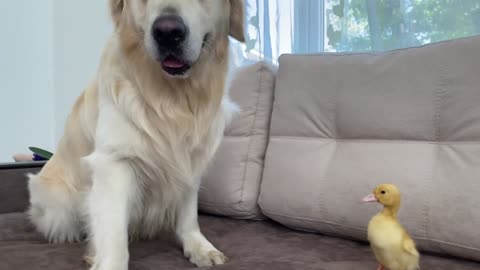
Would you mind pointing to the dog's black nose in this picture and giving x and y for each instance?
(169, 31)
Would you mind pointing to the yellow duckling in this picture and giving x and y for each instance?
(391, 244)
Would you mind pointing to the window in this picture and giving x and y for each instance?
(275, 27)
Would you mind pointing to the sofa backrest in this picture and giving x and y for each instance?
(232, 184)
(344, 123)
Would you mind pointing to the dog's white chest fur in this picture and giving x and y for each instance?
(167, 162)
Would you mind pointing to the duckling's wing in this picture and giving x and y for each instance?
(409, 246)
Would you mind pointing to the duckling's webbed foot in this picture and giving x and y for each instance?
(380, 267)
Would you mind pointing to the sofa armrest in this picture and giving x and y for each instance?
(13, 185)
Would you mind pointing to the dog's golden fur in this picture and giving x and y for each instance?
(139, 138)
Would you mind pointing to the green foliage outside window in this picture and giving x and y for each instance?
(377, 25)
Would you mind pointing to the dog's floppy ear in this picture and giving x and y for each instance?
(237, 19)
(116, 9)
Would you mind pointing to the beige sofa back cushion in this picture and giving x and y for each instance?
(343, 124)
(232, 183)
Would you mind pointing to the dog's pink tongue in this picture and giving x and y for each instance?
(173, 63)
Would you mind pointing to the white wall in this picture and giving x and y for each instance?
(26, 76)
(49, 51)
(81, 30)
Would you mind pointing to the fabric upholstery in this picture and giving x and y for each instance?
(232, 183)
(344, 123)
(248, 244)
(13, 190)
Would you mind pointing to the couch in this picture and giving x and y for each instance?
(315, 135)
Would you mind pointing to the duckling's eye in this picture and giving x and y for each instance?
(383, 192)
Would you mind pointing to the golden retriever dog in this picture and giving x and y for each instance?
(140, 136)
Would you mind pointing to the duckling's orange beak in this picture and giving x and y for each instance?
(370, 198)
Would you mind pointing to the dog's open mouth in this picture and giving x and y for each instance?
(175, 66)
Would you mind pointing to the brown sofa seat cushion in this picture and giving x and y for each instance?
(249, 245)
(344, 123)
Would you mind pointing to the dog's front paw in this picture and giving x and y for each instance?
(202, 257)
(200, 251)
(109, 265)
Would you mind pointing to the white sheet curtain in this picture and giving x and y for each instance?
(276, 27)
